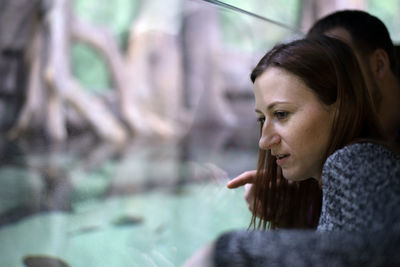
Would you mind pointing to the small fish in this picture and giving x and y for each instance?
(128, 220)
(43, 261)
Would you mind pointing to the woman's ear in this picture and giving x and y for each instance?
(380, 63)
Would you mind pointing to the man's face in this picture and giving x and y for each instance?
(344, 35)
(385, 96)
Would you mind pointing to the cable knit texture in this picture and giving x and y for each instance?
(359, 223)
(361, 188)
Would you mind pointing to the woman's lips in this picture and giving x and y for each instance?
(280, 160)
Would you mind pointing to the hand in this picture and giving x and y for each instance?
(247, 179)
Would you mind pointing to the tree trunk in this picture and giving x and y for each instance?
(154, 65)
(17, 20)
(204, 82)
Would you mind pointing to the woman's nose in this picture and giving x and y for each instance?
(268, 139)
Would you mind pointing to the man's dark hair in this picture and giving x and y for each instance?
(368, 33)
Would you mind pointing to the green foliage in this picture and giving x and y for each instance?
(116, 14)
(88, 66)
(387, 11)
(284, 11)
(250, 34)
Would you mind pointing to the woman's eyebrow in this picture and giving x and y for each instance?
(272, 105)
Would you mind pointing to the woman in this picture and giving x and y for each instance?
(325, 106)
(318, 127)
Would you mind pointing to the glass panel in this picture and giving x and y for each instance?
(183, 66)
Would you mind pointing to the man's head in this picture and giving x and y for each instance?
(370, 39)
(367, 32)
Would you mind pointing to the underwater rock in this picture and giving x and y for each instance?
(43, 261)
(127, 220)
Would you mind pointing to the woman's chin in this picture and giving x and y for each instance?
(294, 178)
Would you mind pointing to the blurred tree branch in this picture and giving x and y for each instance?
(148, 78)
(51, 85)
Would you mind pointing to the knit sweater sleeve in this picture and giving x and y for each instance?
(361, 188)
(307, 248)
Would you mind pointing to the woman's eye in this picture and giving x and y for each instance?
(261, 120)
(281, 115)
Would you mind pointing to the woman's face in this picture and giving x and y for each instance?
(297, 126)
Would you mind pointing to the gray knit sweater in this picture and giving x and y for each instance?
(359, 223)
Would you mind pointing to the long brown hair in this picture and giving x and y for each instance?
(329, 68)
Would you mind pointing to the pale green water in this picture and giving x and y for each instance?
(152, 204)
(173, 227)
